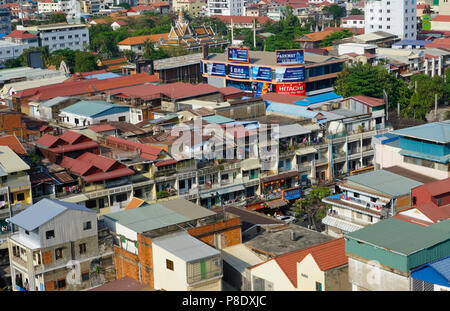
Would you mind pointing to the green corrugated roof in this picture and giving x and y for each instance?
(385, 182)
(147, 218)
(401, 236)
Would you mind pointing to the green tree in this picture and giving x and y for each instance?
(335, 10)
(85, 61)
(312, 203)
(334, 37)
(124, 5)
(58, 18)
(356, 11)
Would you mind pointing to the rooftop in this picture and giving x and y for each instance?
(438, 132)
(94, 108)
(10, 162)
(184, 246)
(437, 272)
(277, 242)
(12, 142)
(121, 285)
(44, 211)
(402, 237)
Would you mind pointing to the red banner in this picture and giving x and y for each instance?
(291, 88)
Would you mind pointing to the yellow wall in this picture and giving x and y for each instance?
(27, 194)
(308, 273)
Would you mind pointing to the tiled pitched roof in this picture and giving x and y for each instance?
(437, 187)
(20, 34)
(242, 19)
(12, 142)
(327, 255)
(370, 101)
(141, 39)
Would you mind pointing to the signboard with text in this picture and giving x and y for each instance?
(290, 57)
(239, 55)
(291, 194)
(290, 74)
(215, 69)
(262, 73)
(238, 72)
(426, 22)
(291, 88)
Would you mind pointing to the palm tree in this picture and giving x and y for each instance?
(148, 48)
(312, 203)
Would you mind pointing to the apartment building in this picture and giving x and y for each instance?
(51, 6)
(193, 7)
(13, 44)
(225, 7)
(353, 21)
(59, 246)
(5, 20)
(395, 17)
(15, 188)
(162, 254)
(382, 256)
(424, 149)
(61, 36)
(367, 199)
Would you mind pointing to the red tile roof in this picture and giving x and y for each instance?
(433, 212)
(71, 137)
(439, 43)
(103, 163)
(20, 34)
(165, 162)
(84, 86)
(242, 19)
(327, 255)
(48, 140)
(353, 18)
(230, 90)
(369, 101)
(98, 128)
(13, 143)
(147, 152)
(441, 18)
(436, 188)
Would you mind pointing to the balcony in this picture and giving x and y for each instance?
(304, 167)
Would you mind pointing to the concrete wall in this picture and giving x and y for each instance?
(370, 277)
(271, 271)
(165, 278)
(308, 273)
(337, 279)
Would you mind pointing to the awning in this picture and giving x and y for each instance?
(340, 224)
(292, 130)
(279, 176)
(76, 199)
(276, 203)
(231, 189)
(307, 150)
(205, 195)
(250, 164)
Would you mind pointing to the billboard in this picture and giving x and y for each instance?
(262, 73)
(426, 22)
(290, 74)
(291, 88)
(238, 72)
(215, 69)
(290, 57)
(291, 194)
(239, 55)
(260, 88)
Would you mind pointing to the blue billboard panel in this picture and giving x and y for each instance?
(290, 74)
(262, 73)
(238, 55)
(238, 72)
(292, 194)
(216, 69)
(290, 57)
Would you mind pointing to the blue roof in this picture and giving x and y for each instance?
(42, 212)
(102, 76)
(298, 111)
(412, 42)
(435, 132)
(94, 108)
(318, 99)
(387, 138)
(437, 272)
(217, 119)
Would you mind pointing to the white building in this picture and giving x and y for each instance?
(10, 50)
(61, 36)
(50, 6)
(353, 21)
(392, 16)
(225, 7)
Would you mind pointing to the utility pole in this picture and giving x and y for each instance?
(254, 33)
(435, 106)
(232, 33)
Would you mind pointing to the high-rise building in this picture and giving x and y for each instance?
(226, 7)
(392, 16)
(5, 20)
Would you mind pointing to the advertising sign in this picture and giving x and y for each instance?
(262, 73)
(238, 72)
(260, 88)
(426, 22)
(291, 88)
(291, 194)
(290, 74)
(215, 69)
(239, 55)
(290, 57)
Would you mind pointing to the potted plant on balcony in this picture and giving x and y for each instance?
(361, 128)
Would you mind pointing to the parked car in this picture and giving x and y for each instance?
(287, 219)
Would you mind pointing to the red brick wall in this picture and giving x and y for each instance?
(231, 232)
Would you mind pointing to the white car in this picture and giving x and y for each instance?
(287, 219)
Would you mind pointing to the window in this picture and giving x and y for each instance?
(77, 121)
(20, 196)
(82, 248)
(169, 264)
(85, 276)
(50, 234)
(61, 283)
(121, 197)
(27, 232)
(121, 119)
(439, 202)
(318, 286)
(58, 253)
(87, 225)
(356, 195)
(414, 200)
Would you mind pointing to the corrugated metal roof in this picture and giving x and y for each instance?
(42, 212)
(92, 108)
(54, 101)
(290, 110)
(436, 132)
(147, 218)
(292, 130)
(10, 162)
(401, 236)
(187, 208)
(318, 99)
(240, 257)
(184, 246)
(217, 119)
(385, 182)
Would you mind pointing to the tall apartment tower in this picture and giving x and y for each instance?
(226, 7)
(397, 17)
